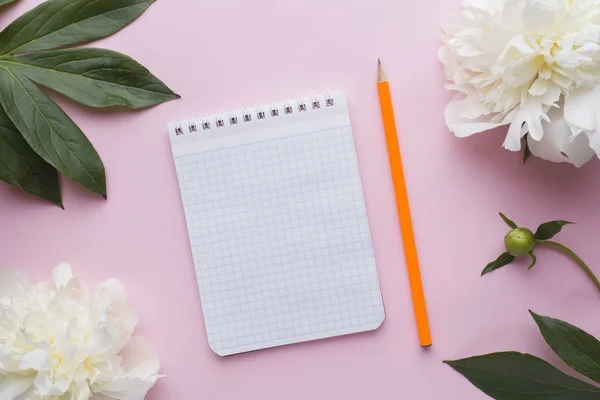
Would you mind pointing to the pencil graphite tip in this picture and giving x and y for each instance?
(380, 73)
(378, 61)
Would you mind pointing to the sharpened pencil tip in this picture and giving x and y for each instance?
(378, 61)
(380, 73)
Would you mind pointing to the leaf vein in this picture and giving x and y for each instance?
(39, 112)
(58, 31)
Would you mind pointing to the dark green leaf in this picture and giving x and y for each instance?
(533, 261)
(500, 262)
(508, 221)
(4, 2)
(516, 376)
(59, 23)
(549, 229)
(94, 77)
(20, 166)
(577, 348)
(50, 132)
(527, 152)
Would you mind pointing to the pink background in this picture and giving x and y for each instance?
(220, 54)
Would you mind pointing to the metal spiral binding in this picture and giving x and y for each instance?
(197, 125)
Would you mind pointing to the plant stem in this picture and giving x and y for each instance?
(571, 253)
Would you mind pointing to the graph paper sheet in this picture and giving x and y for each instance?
(278, 229)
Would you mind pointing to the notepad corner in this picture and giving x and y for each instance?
(380, 322)
(218, 352)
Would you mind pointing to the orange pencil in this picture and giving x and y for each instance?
(408, 237)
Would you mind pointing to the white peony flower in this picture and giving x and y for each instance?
(530, 64)
(60, 342)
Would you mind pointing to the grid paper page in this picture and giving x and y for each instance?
(280, 240)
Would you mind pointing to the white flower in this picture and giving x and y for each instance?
(60, 342)
(530, 64)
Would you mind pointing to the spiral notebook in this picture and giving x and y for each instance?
(277, 224)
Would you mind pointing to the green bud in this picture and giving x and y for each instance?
(519, 242)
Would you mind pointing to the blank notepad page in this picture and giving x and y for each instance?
(277, 224)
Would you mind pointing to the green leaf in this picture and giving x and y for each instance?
(20, 166)
(4, 2)
(549, 229)
(503, 260)
(577, 348)
(59, 23)
(516, 376)
(533, 261)
(527, 152)
(94, 77)
(50, 132)
(508, 221)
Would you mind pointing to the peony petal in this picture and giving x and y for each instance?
(512, 142)
(455, 23)
(111, 311)
(539, 87)
(552, 95)
(35, 360)
(534, 124)
(518, 42)
(558, 146)
(43, 385)
(590, 32)
(582, 108)
(31, 395)
(14, 385)
(588, 49)
(594, 139)
(130, 387)
(545, 72)
(463, 127)
(569, 59)
(560, 79)
(13, 283)
(539, 16)
(528, 119)
(512, 10)
(141, 372)
(44, 293)
(61, 275)
(464, 48)
(482, 4)
(101, 341)
(111, 290)
(579, 150)
(100, 396)
(568, 41)
(83, 392)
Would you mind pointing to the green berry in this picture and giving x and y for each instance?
(519, 242)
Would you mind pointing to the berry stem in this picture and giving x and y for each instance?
(575, 257)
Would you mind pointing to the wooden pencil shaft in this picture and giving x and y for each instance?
(410, 248)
